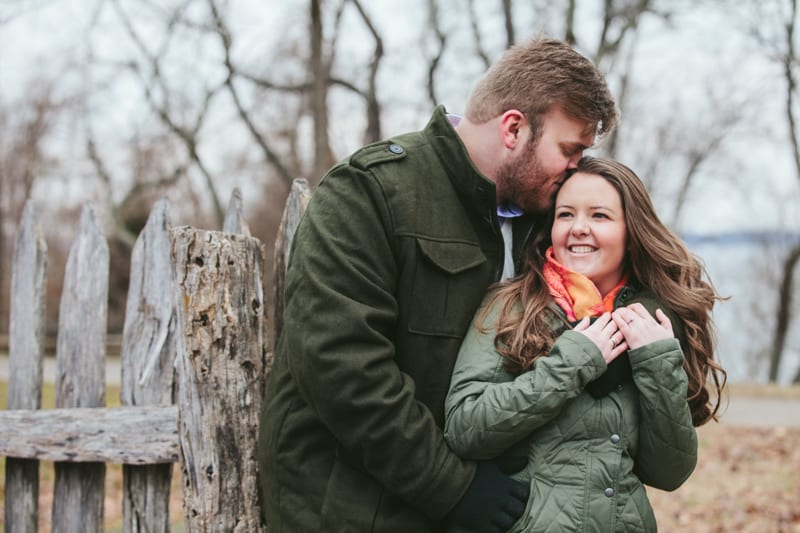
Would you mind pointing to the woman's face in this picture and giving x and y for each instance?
(589, 233)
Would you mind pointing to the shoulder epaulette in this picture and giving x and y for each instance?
(377, 153)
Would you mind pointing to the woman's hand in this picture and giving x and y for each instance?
(605, 334)
(639, 327)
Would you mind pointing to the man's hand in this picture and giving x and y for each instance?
(493, 501)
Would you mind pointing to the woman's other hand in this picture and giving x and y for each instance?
(639, 327)
(605, 334)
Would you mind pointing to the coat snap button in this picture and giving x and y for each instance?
(396, 149)
(615, 438)
(609, 492)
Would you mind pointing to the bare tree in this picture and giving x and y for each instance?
(508, 18)
(319, 71)
(24, 129)
(158, 95)
(786, 291)
(370, 94)
(772, 25)
(480, 50)
(220, 27)
(441, 42)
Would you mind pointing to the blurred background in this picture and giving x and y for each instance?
(123, 102)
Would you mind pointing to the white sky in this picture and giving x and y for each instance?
(751, 184)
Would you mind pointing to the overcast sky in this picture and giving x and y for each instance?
(750, 194)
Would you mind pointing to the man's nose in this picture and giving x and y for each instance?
(572, 163)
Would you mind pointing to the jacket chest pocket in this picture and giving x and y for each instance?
(449, 283)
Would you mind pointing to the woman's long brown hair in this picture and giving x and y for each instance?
(656, 259)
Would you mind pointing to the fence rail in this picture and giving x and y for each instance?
(193, 357)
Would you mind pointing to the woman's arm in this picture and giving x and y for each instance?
(488, 410)
(667, 453)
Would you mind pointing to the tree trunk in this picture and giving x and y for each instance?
(784, 312)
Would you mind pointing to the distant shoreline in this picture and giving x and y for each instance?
(786, 238)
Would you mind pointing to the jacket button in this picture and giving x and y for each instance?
(615, 438)
(609, 492)
(396, 148)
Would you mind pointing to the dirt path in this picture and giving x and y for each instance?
(761, 412)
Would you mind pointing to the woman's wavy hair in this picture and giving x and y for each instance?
(656, 258)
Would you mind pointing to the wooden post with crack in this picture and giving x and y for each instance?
(221, 364)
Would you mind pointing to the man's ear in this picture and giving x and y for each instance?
(512, 126)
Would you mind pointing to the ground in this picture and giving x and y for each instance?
(747, 478)
(747, 481)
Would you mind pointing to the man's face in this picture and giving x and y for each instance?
(531, 177)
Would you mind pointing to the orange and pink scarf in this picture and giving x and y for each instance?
(575, 293)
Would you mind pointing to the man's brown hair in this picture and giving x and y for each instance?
(535, 76)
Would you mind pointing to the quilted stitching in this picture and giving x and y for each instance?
(572, 460)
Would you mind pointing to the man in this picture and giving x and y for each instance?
(391, 260)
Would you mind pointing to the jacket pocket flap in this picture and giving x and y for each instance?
(452, 257)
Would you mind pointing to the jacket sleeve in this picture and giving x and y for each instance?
(667, 453)
(488, 410)
(339, 323)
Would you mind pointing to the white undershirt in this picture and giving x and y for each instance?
(506, 226)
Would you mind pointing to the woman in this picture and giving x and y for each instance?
(577, 361)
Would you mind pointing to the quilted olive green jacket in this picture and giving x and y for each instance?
(388, 265)
(588, 457)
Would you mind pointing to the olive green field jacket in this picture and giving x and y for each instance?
(588, 457)
(390, 260)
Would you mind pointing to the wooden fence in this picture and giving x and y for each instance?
(193, 363)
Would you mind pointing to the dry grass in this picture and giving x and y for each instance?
(747, 481)
(755, 390)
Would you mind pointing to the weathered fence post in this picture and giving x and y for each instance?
(234, 216)
(147, 359)
(221, 365)
(25, 352)
(296, 204)
(80, 371)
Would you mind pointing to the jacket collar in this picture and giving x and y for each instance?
(476, 190)
(467, 180)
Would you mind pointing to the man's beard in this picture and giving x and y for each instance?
(522, 181)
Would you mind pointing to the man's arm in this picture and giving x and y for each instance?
(340, 320)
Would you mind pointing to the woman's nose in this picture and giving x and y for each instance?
(579, 226)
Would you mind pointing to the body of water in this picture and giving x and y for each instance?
(747, 268)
